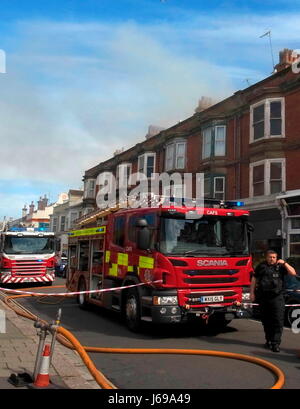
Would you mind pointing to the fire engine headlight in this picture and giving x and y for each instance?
(165, 300)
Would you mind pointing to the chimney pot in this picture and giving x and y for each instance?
(286, 59)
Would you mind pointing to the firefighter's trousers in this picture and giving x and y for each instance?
(272, 317)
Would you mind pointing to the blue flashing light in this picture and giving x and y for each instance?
(28, 229)
(239, 204)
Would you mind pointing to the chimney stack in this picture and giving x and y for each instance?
(154, 130)
(31, 208)
(204, 103)
(41, 204)
(286, 59)
(24, 211)
(45, 201)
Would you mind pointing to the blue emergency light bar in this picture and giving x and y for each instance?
(212, 202)
(29, 229)
(234, 204)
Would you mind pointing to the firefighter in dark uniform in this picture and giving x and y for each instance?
(267, 287)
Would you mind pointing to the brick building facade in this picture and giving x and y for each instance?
(247, 146)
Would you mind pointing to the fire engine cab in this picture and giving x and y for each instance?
(27, 256)
(195, 262)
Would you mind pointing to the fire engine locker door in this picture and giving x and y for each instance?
(95, 267)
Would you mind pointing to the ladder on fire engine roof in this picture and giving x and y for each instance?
(97, 214)
(158, 200)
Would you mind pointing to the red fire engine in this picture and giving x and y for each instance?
(203, 264)
(26, 256)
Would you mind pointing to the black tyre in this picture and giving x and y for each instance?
(132, 310)
(82, 298)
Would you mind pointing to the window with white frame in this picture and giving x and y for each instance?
(89, 188)
(62, 223)
(207, 139)
(175, 155)
(207, 187)
(219, 187)
(146, 164)
(54, 224)
(123, 174)
(267, 119)
(214, 141)
(106, 179)
(91, 192)
(214, 186)
(267, 177)
(170, 153)
(73, 217)
(180, 155)
(178, 191)
(220, 140)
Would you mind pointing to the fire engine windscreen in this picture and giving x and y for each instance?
(208, 236)
(28, 245)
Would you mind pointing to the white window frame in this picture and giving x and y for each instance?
(123, 167)
(62, 226)
(219, 191)
(177, 191)
(54, 224)
(267, 119)
(107, 177)
(182, 156)
(207, 194)
(89, 188)
(224, 140)
(171, 160)
(170, 154)
(145, 156)
(267, 174)
(204, 143)
(73, 217)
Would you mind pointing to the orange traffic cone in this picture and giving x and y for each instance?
(42, 380)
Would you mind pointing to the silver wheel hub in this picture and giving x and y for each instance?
(131, 308)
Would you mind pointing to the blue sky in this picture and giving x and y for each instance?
(87, 77)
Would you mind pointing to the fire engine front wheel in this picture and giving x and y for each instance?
(81, 298)
(132, 310)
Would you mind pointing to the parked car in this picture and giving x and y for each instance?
(292, 296)
(61, 267)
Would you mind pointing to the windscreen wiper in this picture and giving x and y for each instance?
(235, 253)
(198, 252)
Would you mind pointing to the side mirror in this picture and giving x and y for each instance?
(143, 234)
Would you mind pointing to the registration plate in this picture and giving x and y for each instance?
(212, 298)
(28, 280)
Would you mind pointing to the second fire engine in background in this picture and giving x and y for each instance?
(27, 256)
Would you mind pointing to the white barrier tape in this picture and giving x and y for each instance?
(252, 304)
(78, 292)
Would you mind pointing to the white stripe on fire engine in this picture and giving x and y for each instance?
(79, 292)
(286, 305)
(16, 280)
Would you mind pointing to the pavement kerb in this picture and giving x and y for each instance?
(66, 363)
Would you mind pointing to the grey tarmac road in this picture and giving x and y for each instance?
(97, 327)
